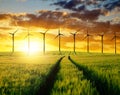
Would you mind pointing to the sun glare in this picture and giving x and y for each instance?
(35, 47)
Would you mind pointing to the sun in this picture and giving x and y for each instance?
(34, 47)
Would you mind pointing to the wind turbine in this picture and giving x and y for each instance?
(87, 36)
(115, 41)
(102, 36)
(59, 39)
(44, 34)
(28, 37)
(13, 38)
(74, 38)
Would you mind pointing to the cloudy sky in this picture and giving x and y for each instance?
(97, 16)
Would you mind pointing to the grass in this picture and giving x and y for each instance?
(91, 74)
(70, 81)
(102, 71)
(24, 75)
(46, 86)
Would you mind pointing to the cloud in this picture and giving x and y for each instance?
(87, 15)
(4, 16)
(91, 9)
(57, 19)
(51, 19)
(5, 28)
(115, 27)
(92, 4)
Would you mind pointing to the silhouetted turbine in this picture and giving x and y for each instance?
(13, 37)
(74, 39)
(115, 43)
(87, 36)
(59, 40)
(28, 36)
(44, 40)
(102, 39)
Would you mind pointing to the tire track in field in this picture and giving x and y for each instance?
(48, 83)
(102, 85)
(70, 81)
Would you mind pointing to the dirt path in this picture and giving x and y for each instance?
(70, 81)
(48, 83)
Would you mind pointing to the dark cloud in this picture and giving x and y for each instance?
(76, 4)
(102, 27)
(51, 19)
(87, 15)
(110, 4)
(115, 28)
(89, 9)
(5, 16)
(70, 4)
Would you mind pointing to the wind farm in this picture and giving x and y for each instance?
(59, 47)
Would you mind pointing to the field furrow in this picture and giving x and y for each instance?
(70, 81)
(48, 83)
(24, 75)
(104, 81)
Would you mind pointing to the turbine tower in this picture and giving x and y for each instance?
(13, 38)
(74, 38)
(59, 39)
(44, 34)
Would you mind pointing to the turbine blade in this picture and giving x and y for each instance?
(41, 33)
(85, 37)
(46, 31)
(75, 32)
(59, 31)
(11, 33)
(25, 36)
(113, 38)
(56, 36)
(15, 31)
(71, 33)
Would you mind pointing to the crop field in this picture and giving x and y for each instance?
(65, 74)
(102, 70)
(24, 75)
(70, 81)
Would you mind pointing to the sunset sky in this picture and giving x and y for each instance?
(97, 16)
